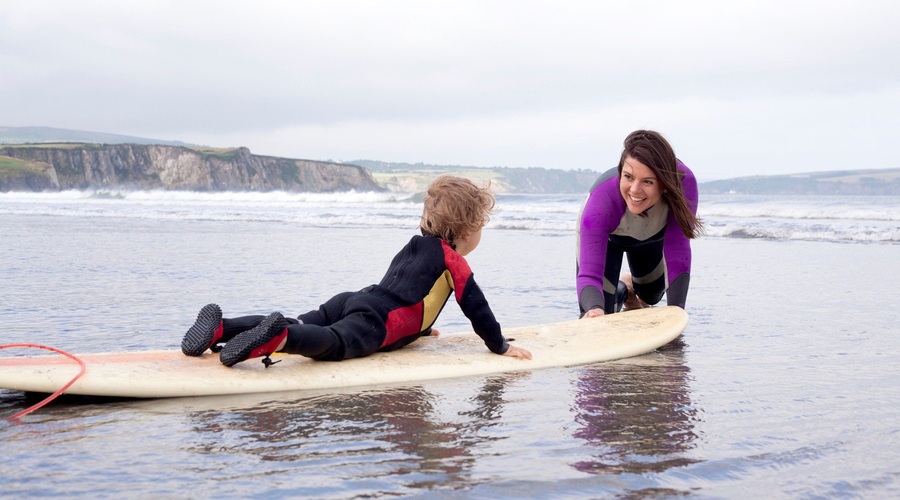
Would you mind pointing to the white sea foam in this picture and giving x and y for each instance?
(821, 218)
(881, 208)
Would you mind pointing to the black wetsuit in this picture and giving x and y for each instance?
(393, 313)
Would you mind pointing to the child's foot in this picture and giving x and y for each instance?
(205, 332)
(261, 341)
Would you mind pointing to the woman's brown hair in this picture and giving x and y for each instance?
(653, 150)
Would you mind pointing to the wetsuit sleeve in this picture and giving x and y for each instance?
(677, 247)
(473, 303)
(598, 219)
(476, 308)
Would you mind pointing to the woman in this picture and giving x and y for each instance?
(646, 208)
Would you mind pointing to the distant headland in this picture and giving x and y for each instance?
(42, 158)
(45, 158)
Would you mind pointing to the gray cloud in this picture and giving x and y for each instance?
(739, 87)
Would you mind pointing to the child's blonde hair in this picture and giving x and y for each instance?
(455, 207)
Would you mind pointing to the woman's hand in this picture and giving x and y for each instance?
(517, 352)
(593, 313)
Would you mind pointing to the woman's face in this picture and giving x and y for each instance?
(638, 186)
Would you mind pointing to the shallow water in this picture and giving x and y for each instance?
(784, 384)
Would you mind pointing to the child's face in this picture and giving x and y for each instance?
(465, 245)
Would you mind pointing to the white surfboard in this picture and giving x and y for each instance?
(163, 374)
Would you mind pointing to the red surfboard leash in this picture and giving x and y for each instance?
(55, 394)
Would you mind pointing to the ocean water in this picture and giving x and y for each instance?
(785, 383)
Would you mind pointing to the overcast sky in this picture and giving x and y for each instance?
(738, 87)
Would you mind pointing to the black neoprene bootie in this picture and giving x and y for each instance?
(260, 341)
(205, 332)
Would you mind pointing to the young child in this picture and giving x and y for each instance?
(382, 317)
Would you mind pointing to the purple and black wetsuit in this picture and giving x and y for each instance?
(659, 254)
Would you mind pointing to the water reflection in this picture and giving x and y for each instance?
(386, 437)
(636, 413)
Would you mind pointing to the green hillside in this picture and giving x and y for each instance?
(38, 135)
(843, 182)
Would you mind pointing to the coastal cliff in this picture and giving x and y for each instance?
(39, 167)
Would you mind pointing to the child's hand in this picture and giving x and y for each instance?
(517, 352)
(434, 333)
